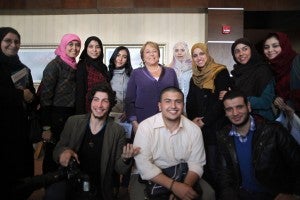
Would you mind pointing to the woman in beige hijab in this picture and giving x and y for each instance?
(203, 106)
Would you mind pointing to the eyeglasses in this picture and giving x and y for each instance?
(10, 41)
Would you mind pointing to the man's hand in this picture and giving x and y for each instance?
(65, 157)
(184, 191)
(129, 151)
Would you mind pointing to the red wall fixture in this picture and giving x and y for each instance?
(226, 29)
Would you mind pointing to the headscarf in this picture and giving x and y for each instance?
(252, 77)
(185, 64)
(281, 65)
(97, 62)
(205, 77)
(11, 63)
(61, 49)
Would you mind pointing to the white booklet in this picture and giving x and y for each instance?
(20, 78)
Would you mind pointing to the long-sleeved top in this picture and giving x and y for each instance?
(184, 83)
(275, 159)
(262, 104)
(15, 147)
(113, 142)
(204, 103)
(58, 88)
(143, 92)
(161, 149)
(119, 83)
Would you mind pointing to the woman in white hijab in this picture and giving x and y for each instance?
(182, 64)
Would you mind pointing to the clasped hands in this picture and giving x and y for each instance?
(183, 191)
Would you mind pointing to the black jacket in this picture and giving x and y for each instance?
(204, 103)
(275, 158)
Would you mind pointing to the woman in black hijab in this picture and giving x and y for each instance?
(16, 96)
(252, 75)
(90, 71)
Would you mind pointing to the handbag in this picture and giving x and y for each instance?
(177, 173)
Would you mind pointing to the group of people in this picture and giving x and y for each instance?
(191, 111)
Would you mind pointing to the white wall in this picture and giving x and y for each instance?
(111, 28)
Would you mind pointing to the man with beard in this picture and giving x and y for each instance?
(258, 159)
(97, 143)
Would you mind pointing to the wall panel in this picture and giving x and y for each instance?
(111, 28)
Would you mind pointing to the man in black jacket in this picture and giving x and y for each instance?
(258, 159)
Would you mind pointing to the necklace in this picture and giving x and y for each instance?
(155, 70)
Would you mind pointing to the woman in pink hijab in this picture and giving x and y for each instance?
(57, 95)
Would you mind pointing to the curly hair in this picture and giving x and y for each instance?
(106, 88)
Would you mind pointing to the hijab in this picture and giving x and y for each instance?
(61, 49)
(252, 77)
(10, 63)
(205, 77)
(282, 63)
(97, 62)
(185, 64)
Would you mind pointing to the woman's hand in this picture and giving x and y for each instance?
(222, 94)
(198, 121)
(279, 102)
(122, 117)
(28, 96)
(135, 125)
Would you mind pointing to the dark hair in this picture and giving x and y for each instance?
(106, 88)
(170, 89)
(84, 54)
(269, 36)
(231, 94)
(5, 30)
(112, 66)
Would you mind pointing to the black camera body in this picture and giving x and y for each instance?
(76, 177)
(79, 181)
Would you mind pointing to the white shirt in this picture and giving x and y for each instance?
(161, 149)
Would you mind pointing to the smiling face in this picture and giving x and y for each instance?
(180, 53)
(73, 49)
(272, 48)
(199, 57)
(150, 55)
(242, 53)
(100, 105)
(121, 58)
(237, 111)
(93, 49)
(10, 44)
(171, 105)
